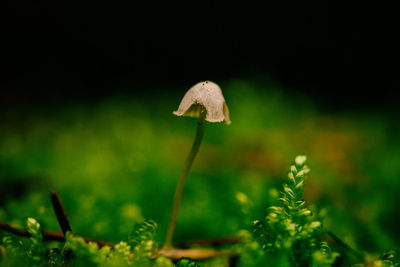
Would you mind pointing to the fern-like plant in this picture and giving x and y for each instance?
(289, 230)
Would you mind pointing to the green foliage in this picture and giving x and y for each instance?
(390, 258)
(77, 252)
(80, 253)
(139, 252)
(324, 256)
(142, 241)
(36, 248)
(186, 262)
(29, 252)
(289, 231)
(142, 234)
(55, 257)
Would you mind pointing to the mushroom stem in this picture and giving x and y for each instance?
(182, 178)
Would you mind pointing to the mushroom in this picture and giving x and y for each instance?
(206, 102)
(204, 95)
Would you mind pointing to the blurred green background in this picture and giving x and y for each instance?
(116, 162)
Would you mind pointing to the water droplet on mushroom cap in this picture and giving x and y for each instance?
(204, 95)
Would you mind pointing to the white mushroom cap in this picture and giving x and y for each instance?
(207, 95)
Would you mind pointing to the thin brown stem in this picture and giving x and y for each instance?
(49, 235)
(60, 213)
(182, 178)
(195, 254)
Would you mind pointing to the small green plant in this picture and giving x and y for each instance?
(289, 231)
(28, 252)
(186, 262)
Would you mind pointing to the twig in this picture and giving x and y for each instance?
(213, 242)
(60, 213)
(195, 254)
(15, 231)
(50, 235)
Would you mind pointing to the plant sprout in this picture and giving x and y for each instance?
(206, 102)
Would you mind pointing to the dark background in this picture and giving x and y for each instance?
(340, 54)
